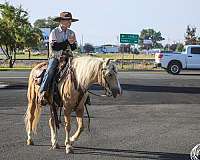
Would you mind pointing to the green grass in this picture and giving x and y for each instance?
(26, 56)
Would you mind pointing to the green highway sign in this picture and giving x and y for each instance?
(129, 38)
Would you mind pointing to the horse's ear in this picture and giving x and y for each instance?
(107, 61)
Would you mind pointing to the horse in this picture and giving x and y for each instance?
(87, 71)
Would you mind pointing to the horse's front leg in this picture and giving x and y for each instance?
(67, 118)
(79, 118)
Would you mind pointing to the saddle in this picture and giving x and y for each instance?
(60, 72)
(39, 74)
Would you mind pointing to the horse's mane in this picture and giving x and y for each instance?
(86, 68)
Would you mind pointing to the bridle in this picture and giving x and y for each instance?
(105, 85)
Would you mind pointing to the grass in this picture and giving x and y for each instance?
(15, 69)
(125, 56)
(26, 56)
(127, 66)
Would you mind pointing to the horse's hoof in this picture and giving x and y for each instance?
(69, 150)
(56, 146)
(30, 142)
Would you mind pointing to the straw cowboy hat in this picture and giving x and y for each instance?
(65, 16)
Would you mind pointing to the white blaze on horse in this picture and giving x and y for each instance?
(86, 71)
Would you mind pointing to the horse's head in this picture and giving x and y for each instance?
(110, 78)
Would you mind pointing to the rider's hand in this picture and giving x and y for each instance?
(71, 39)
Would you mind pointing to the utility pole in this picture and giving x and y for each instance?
(82, 50)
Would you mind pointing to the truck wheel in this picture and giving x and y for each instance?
(174, 68)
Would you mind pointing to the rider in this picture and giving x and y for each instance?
(59, 40)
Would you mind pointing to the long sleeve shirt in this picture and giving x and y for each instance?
(58, 42)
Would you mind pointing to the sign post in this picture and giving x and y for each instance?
(130, 39)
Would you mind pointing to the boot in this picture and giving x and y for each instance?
(42, 98)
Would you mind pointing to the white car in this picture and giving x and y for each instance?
(174, 62)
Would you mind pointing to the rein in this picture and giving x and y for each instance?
(104, 86)
(99, 95)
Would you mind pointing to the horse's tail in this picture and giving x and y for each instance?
(36, 119)
(32, 115)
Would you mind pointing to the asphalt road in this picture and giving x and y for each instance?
(156, 118)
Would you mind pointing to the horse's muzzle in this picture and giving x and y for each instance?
(115, 92)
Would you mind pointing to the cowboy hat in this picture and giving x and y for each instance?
(65, 16)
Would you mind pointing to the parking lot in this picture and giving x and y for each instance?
(157, 117)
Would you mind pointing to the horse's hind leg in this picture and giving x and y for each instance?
(29, 121)
(54, 139)
(79, 118)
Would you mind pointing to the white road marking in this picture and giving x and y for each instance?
(12, 77)
(3, 85)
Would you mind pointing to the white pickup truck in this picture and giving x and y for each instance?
(174, 62)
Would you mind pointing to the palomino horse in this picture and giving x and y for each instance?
(87, 71)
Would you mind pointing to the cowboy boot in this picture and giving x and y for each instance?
(42, 98)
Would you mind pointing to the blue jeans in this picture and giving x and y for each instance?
(49, 74)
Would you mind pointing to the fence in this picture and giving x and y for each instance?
(123, 64)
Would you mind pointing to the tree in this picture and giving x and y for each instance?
(167, 47)
(174, 47)
(190, 36)
(179, 47)
(45, 23)
(125, 48)
(15, 30)
(88, 48)
(33, 38)
(152, 36)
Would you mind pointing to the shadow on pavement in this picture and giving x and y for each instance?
(131, 87)
(131, 153)
(169, 89)
(119, 153)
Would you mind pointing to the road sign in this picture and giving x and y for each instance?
(129, 38)
(45, 33)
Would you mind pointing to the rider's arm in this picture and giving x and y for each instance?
(72, 39)
(63, 45)
(57, 46)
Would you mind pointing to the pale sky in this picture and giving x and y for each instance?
(101, 21)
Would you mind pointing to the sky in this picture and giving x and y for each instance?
(102, 21)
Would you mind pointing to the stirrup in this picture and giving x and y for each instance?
(42, 99)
